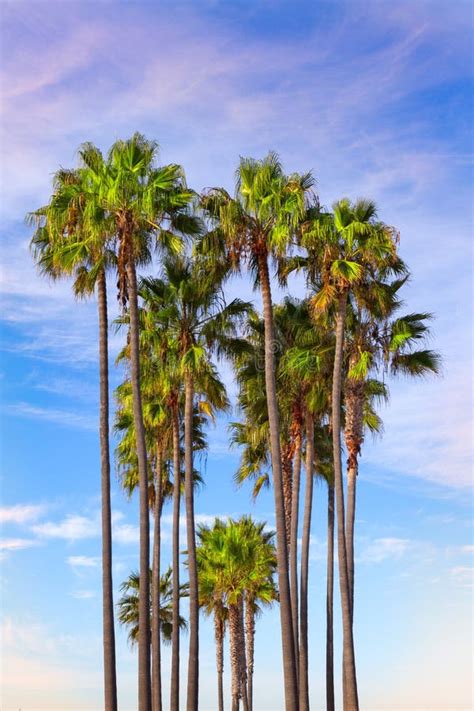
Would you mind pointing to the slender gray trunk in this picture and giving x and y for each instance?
(243, 657)
(287, 637)
(174, 696)
(350, 696)
(193, 658)
(350, 524)
(250, 647)
(144, 673)
(330, 605)
(110, 680)
(219, 629)
(234, 639)
(308, 506)
(155, 587)
(295, 504)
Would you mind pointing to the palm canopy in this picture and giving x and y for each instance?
(72, 233)
(346, 249)
(263, 216)
(188, 303)
(236, 558)
(128, 605)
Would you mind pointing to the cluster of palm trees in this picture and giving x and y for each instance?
(309, 373)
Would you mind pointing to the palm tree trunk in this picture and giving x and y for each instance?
(219, 636)
(243, 657)
(174, 698)
(250, 647)
(287, 483)
(308, 506)
(295, 503)
(234, 638)
(330, 604)
(144, 675)
(354, 435)
(350, 524)
(350, 696)
(110, 680)
(289, 658)
(155, 587)
(193, 658)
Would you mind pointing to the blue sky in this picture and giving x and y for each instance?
(376, 98)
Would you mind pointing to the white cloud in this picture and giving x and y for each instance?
(83, 594)
(61, 417)
(21, 513)
(72, 528)
(382, 549)
(125, 533)
(463, 575)
(83, 561)
(17, 544)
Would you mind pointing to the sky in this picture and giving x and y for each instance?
(375, 98)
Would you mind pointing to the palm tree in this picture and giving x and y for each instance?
(211, 594)
(377, 340)
(128, 606)
(143, 202)
(71, 239)
(257, 224)
(236, 562)
(189, 302)
(345, 249)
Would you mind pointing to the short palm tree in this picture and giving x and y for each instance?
(236, 563)
(129, 601)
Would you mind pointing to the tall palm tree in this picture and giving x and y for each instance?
(345, 249)
(189, 301)
(377, 340)
(72, 239)
(145, 203)
(259, 223)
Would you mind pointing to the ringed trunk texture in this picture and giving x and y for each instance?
(235, 655)
(174, 694)
(287, 637)
(110, 679)
(144, 675)
(350, 696)
(250, 649)
(219, 631)
(350, 525)
(193, 658)
(354, 436)
(330, 605)
(243, 657)
(308, 506)
(287, 481)
(155, 588)
(295, 504)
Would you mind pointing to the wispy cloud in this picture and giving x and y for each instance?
(72, 528)
(65, 418)
(83, 561)
(83, 594)
(17, 544)
(463, 575)
(382, 549)
(21, 513)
